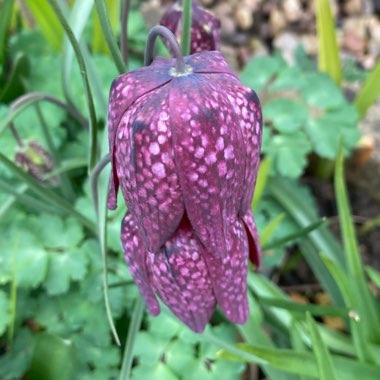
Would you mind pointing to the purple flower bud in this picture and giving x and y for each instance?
(37, 162)
(205, 28)
(185, 149)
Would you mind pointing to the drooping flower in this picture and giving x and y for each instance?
(185, 149)
(205, 28)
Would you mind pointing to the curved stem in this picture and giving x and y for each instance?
(90, 101)
(16, 135)
(110, 39)
(94, 180)
(126, 6)
(101, 219)
(168, 36)
(26, 100)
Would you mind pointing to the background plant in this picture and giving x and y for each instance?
(53, 272)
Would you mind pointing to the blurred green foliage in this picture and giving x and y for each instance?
(51, 266)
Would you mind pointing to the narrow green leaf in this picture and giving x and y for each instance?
(133, 330)
(99, 43)
(316, 310)
(357, 321)
(47, 194)
(78, 18)
(288, 195)
(322, 355)
(301, 363)
(369, 92)
(25, 199)
(262, 178)
(328, 52)
(93, 148)
(61, 359)
(270, 228)
(47, 21)
(297, 342)
(366, 305)
(374, 275)
(301, 233)
(108, 34)
(15, 84)
(370, 225)
(5, 19)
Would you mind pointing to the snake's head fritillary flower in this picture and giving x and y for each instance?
(185, 149)
(205, 28)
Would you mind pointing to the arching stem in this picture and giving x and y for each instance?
(168, 36)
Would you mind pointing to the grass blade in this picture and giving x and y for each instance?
(301, 233)
(374, 275)
(300, 363)
(5, 19)
(108, 34)
(90, 102)
(262, 179)
(99, 43)
(270, 228)
(47, 194)
(133, 330)
(322, 355)
(328, 52)
(366, 302)
(357, 323)
(287, 194)
(369, 92)
(25, 199)
(316, 310)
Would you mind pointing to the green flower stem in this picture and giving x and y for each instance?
(186, 26)
(126, 6)
(110, 39)
(48, 195)
(133, 330)
(102, 235)
(82, 66)
(168, 36)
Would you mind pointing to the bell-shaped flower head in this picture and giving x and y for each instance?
(185, 141)
(205, 27)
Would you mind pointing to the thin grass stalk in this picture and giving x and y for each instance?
(82, 66)
(133, 330)
(110, 39)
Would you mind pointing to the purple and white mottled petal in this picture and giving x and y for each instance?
(125, 90)
(253, 238)
(207, 144)
(180, 277)
(251, 126)
(229, 274)
(135, 255)
(147, 172)
(205, 28)
(210, 62)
